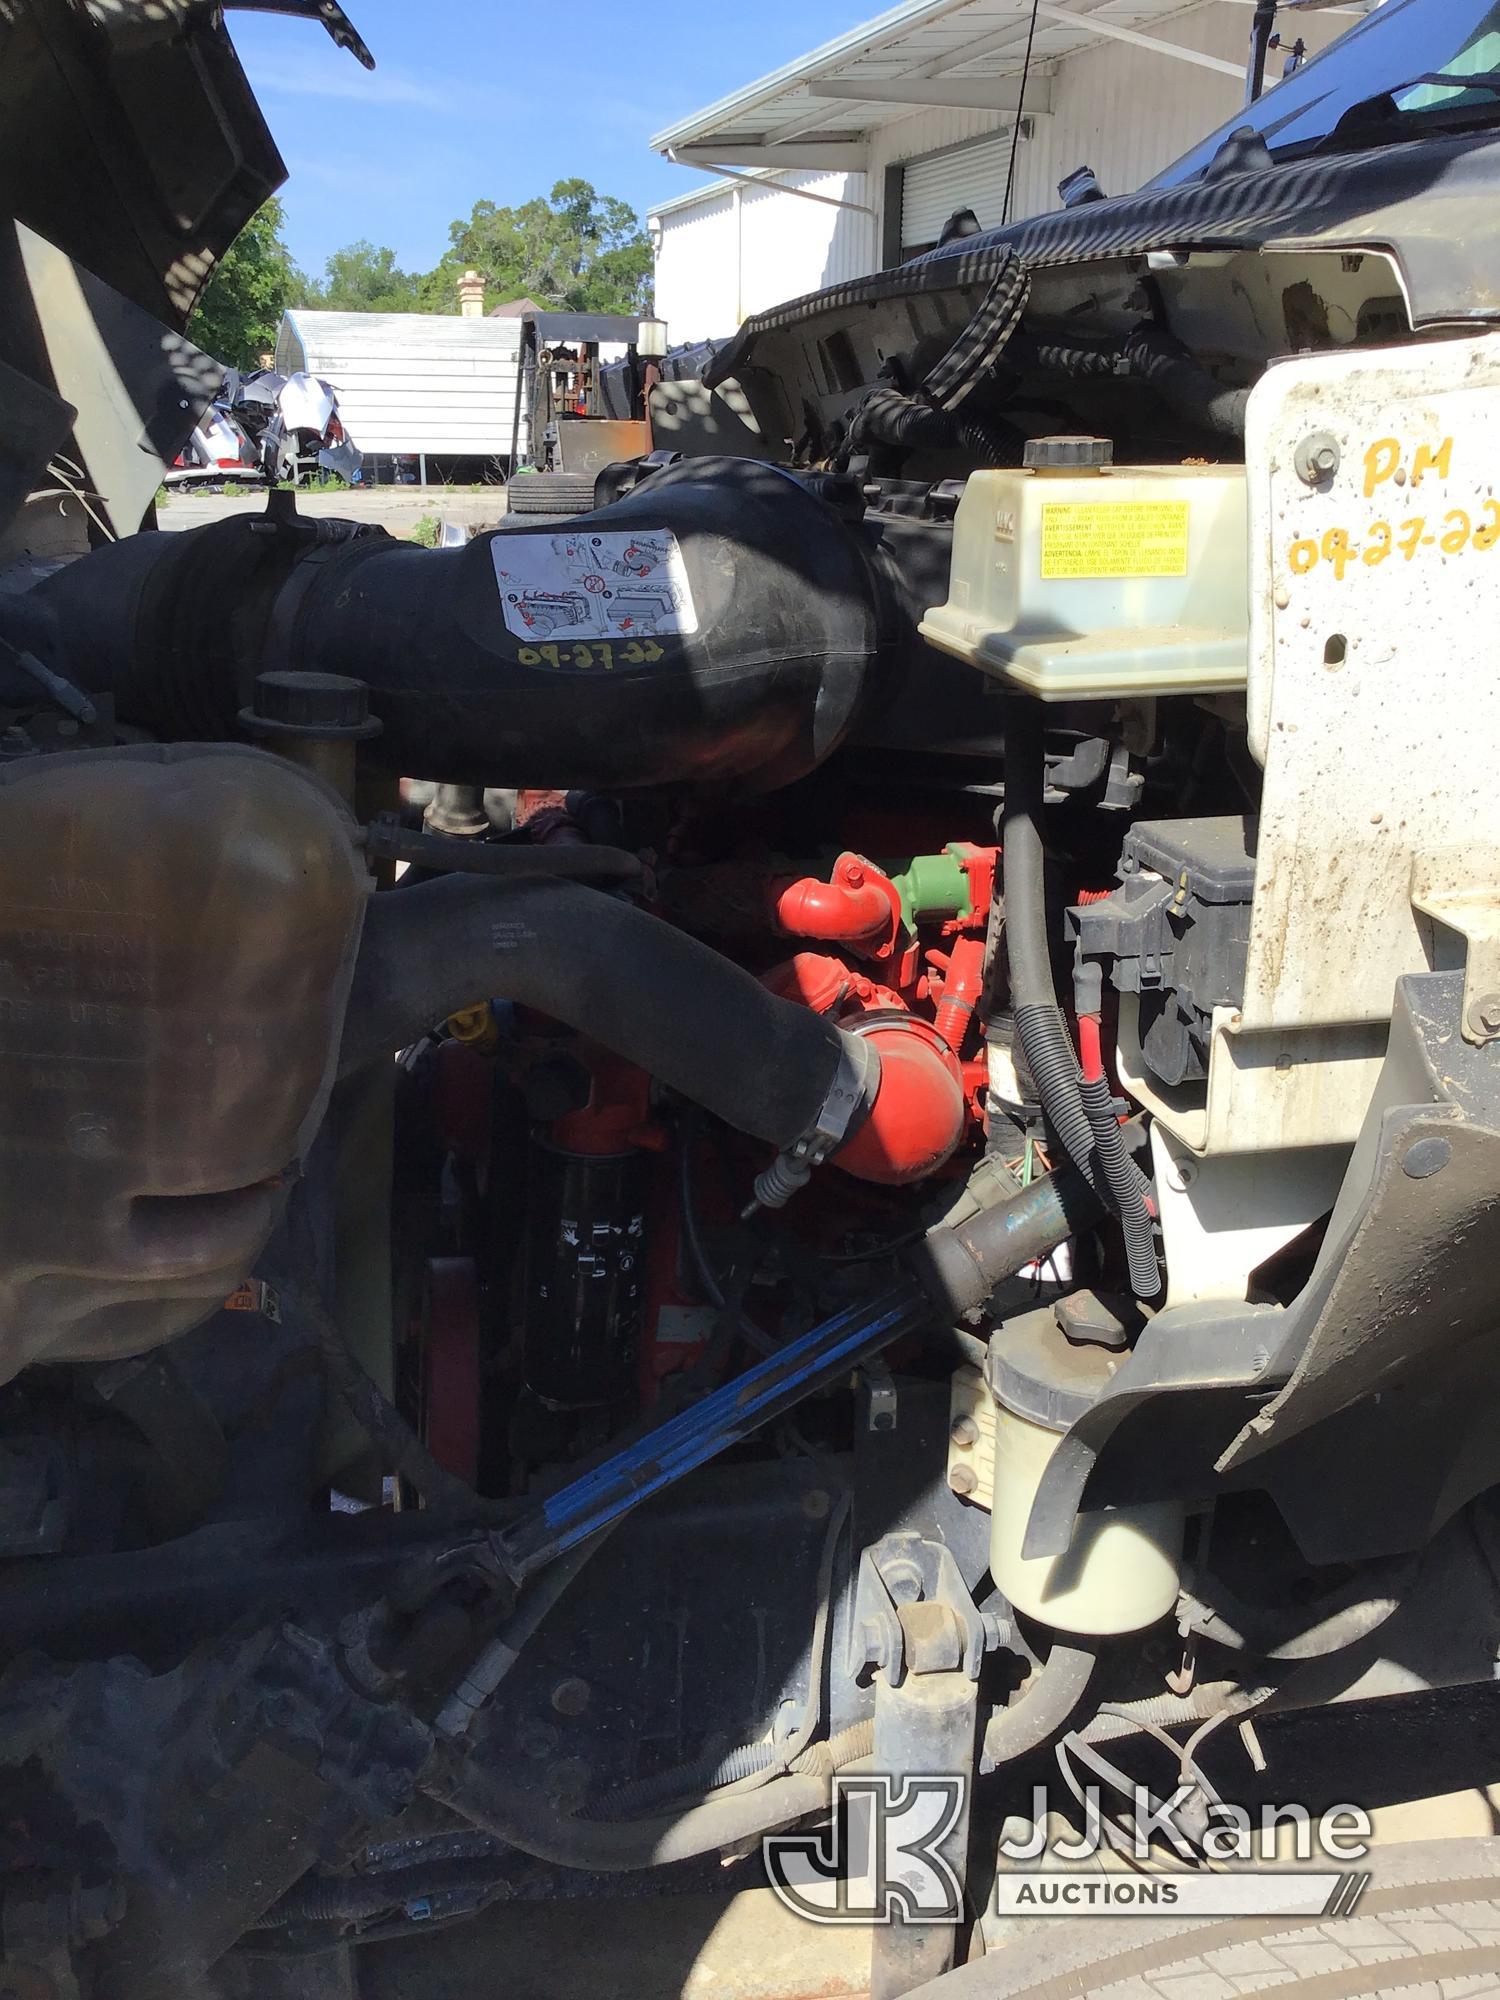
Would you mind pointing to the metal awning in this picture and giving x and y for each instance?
(820, 111)
(550, 326)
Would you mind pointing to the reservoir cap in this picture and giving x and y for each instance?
(1067, 454)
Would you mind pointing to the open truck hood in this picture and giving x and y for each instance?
(132, 152)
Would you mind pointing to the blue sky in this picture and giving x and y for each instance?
(498, 99)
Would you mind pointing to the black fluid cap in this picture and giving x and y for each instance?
(1035, 1372)
(1067, 454)
(318, 706)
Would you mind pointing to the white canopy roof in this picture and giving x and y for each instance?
(961, 54)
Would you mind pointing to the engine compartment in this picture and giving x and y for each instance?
(841, 1116)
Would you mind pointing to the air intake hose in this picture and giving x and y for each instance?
(722, 623)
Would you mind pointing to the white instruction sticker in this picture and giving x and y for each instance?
(592, 586)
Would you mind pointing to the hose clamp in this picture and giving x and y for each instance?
(851, 1092)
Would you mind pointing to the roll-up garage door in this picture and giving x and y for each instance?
(934, 186)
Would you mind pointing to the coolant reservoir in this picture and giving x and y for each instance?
(177, 934)
(1081, 580)
(1120, 1572)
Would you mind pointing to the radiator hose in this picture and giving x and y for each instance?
(688, 1016)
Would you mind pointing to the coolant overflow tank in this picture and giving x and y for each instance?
(1095, 582)
(177, 936)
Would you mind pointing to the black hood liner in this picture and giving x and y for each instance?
(131, 142)
(134, 145)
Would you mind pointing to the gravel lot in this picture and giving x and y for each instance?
(397, 508)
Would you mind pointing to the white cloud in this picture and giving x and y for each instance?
(370, 177)
(346, 82)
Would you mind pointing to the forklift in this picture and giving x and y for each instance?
(571, 432)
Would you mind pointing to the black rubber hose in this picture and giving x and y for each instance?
(930, 420)
(909, 424)
(515, 861)
(1090, 1138)
(708, 1774)
(1039, 1023)
(693, 1019)
(532, 1822)
(1312, 1631)
(721, 625)
(888, 417)
(356, 1898)
(1184, 384)
(1127, 1195)
(1152, 356)
(1050, 1701)
(1050, 357)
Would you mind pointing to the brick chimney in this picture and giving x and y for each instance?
(471, 295)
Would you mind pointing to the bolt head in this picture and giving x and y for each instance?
(1425, 1158)
(571, 1696)
(964, 1432)
(963, 1479)
(902, 1579)
(998, 1631)
(1317, 458)
(1486, 1014)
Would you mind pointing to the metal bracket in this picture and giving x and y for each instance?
(1473, 911)
(902, 1575)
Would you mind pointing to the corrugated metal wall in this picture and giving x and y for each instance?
(697, 265)
(742, 249)
(1124, 111)
(412, 382)
(969, 176)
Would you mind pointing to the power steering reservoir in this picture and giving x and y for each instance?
(1077, 579)
(1120, 1572)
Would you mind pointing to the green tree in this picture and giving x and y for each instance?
(577, 250)
(362, 278)
(237, 317)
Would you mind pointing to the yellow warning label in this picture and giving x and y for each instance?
(1084, 538)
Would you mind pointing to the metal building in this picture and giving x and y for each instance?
(426, 386)
(855, 155)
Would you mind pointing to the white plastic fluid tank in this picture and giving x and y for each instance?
(1081, 580)
(1121, 1571)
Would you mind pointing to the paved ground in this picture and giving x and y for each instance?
(649, 1943)
(397, 508)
